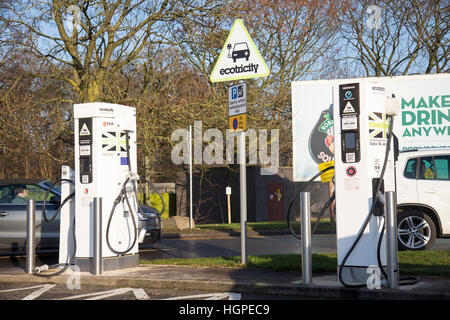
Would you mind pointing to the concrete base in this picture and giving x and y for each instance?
(109, 263)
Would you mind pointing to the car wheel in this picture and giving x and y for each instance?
(416, 231)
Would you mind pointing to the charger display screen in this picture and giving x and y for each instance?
(350, 140)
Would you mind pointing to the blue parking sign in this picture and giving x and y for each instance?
(234, 93)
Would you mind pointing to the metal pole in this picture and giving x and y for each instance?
(306, 237)
(190, 177)
(31, 240)
(98, 257)
(243, 197)
(391, 239)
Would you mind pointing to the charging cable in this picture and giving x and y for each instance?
(291, 227)
(70, 261)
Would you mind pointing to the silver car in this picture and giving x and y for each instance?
(14, 195)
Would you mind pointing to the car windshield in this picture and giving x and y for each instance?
(55, 187)
(21, 193)
(240, 46)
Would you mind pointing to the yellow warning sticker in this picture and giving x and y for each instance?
(328, 175)
(429, 174)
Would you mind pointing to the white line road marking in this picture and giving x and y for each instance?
(20, 289)
(42, 289)
(116, 292)
(39, 292)
(138, 293)
(210, 296)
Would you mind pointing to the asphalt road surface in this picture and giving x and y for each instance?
(231, 246)
(204, 248)
(36, 291)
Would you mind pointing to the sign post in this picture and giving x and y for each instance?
(237, 119)
(238, 60)
(243, 190)
(190, 177)
(228, 193)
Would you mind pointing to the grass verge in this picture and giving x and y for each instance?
(425, 263)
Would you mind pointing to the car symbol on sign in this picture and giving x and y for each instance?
(240, 50)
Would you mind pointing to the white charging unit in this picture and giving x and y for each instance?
(360, 135)
(102, 165)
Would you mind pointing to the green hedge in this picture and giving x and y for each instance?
(155, 202)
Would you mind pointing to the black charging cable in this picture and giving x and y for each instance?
(71, 260)
(296, 197)
(402, 281)
(123, 196)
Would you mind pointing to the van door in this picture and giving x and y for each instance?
(407, 182)
(434, 187)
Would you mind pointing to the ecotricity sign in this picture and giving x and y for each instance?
(239, 58)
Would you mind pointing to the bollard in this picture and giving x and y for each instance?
(306, 237)
(31, 240)
(391, 240)
(98, 258)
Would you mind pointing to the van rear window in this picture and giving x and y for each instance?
(442, 167)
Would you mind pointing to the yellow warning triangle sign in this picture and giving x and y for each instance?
(239, 58)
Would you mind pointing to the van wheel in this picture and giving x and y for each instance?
(416, 231)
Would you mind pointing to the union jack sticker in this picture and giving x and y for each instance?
(114, 141)
(378, 125)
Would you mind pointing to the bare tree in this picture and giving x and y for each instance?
(429, 25)
(95, 39)
(397, 37)
(33, 115)
(377, 38)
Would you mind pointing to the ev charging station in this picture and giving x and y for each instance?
(362, 148)
(99, 210)
(105, 168)
(361, 129)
